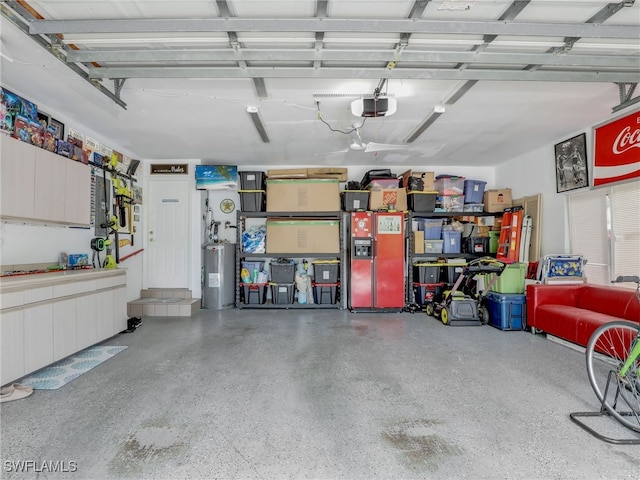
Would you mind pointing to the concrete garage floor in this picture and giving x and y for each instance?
(271, 394)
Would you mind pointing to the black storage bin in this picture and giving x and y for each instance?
(283, 272)
(354, 200)
(451, 271)
(421, 201)
(252, 200)
(252, 181)
(475, 245)
(254, 293)
(326, 272)
(376, 173)
(426, 272)
(282, 293)
(325, 293)
(427, 292)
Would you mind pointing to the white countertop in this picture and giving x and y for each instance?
(42, 279)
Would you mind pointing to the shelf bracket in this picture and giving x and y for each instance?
(626, 91)
(118, 83)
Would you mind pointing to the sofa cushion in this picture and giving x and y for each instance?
(588, 322)
(559, 320)
(612, 301)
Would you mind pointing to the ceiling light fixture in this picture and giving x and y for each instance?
(254, 113)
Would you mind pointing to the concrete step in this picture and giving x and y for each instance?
(165, 293)
(164, 302)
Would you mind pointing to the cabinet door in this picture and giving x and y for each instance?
(104, 317)
(38, 336)
(64, 328)
(86, 321)
(77, 205)
(17, 174)
(12, 346)
(50, 186)
(120, 309)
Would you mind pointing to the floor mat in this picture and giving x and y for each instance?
(63, 371)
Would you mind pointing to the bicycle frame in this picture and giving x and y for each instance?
(633, 357)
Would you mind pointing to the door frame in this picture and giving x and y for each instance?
(193, 236)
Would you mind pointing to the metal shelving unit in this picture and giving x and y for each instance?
(341, 256)
(411, 257)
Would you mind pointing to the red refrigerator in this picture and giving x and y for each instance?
(377, 278)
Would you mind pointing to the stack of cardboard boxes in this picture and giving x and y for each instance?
(299, 191)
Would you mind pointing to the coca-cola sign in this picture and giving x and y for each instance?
(617, 150)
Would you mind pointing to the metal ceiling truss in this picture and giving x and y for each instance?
(370, 25)
(54, 46)
(348, 55)
(404, 61)
(365, 73)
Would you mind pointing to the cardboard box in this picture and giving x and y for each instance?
(497, 200)
(302, 235)
(381, 198)
(418, 241)
(427, 177)
(337, 173)
(288, 173)
(310, 195)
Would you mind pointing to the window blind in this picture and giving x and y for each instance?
(604, 226)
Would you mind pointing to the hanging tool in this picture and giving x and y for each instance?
(110, 222)
(123, 199)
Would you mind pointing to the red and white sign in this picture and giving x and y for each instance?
(617, 150)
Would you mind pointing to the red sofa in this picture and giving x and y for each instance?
(573, 312)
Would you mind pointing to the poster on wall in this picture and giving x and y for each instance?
(216, 177)
(571, 164)
(617, 150)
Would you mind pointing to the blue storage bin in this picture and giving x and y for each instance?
(432, 228)
(451, 241)
(474, 191)
(507, 311)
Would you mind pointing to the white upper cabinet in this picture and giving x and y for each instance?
(17, 173)
(42, 186)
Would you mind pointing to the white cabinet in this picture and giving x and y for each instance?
(77, 204)
(45, 318)
(42, 186)
(120, 316)
(86, 321)
(11, 345)
(50, 186)
(65, 332)
(104, 311)
(38, 336)
(17, 173)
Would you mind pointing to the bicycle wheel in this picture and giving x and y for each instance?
(607, 350)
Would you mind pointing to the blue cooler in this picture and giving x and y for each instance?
(507, 311)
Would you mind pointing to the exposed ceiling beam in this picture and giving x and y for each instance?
(412, 25)
(21, 24)
(283, 55)
(368, 73)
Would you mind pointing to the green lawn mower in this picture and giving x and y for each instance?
(462, 305)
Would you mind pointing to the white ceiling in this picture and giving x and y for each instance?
(186, 92)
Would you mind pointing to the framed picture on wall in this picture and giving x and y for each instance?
(58, 127)
(571, 164)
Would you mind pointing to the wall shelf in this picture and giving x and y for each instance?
(341, 256)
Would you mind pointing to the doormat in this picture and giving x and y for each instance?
(63, 371)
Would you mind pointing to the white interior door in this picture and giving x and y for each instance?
(167, 246)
